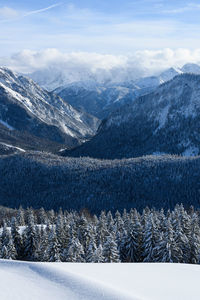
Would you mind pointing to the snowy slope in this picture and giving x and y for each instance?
(49, 281)
(24, 106)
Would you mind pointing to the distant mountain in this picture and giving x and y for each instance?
(191, 68)
(100, 96)
(169, 74)
(164, 121)
(27, 110)
(101, 100)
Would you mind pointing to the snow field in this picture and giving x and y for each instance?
(49, 281)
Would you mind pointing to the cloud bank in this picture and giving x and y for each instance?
(76, 65)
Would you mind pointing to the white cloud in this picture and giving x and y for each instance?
(78, 65)
(7, 13)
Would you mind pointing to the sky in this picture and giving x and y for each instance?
(106, 27)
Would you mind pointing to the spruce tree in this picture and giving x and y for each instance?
(29, 237)
(53, 251)
(16, 237)
(110, 250)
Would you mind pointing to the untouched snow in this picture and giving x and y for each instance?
(49, 281)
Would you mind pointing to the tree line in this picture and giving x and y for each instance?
(150, 236)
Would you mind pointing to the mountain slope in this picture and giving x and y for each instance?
(166, 120)
(49, 181)
(25, 107)
(98, 100)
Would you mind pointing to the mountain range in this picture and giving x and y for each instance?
(164, 121)
(132, 169)
(102, 97)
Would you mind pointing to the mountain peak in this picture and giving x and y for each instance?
(191, 68)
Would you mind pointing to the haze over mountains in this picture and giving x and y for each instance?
(101, 95)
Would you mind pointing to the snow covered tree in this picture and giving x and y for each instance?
(30, 239)
(98, 255)
(53, 251)
(8, 249)
(20, 217)
(110, 250)
(90, 250)
(194, 241)
(132, 242)
(166, 249)
(150, 239)
(75, 252)
(16, 237)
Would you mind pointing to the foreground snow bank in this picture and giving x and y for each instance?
(49, 281)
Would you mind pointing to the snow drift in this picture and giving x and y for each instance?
(21, 280)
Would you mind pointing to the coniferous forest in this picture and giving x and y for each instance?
(150, 236)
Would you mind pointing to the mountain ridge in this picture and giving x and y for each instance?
(164, 121)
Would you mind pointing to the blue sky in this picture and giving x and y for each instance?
(153, 34)
(112, 26)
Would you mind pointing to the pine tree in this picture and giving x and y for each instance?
(194, 241)
(75, 252)
(8, 249)
(110, 251)
(150, 239)
(42, 217)
(132, 248)
(29, 237)
(167, 249)
(53, 251)
(16, 237)
(182, 242)
(60, 229)
(90, 250)
(20, 217)
(98, 255)
(42, 250)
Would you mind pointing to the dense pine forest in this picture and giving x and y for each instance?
(150, 236)
(44, 180)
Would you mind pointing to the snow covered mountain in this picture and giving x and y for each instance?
(102, 99)
(28, 109)
(191, 68)
(97, 100)
(164, 121)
